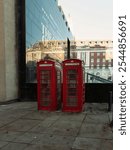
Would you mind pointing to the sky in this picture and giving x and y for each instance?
(89, 19)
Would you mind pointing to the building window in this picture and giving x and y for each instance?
(103, 64)
(98, 54)
(110, 64)
(103, 60)
(104, 54)
(98, 60)
(92, 60)
(109, 60)
(92, 65)
(92, 54)
(98, 66)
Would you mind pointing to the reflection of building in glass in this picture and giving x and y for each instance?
(46, 26)
(97, 56)
(42, 50)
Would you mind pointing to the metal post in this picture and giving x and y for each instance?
(68, 48)
(110, 101)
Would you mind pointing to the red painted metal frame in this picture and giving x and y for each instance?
(70, 64)
(49, 66)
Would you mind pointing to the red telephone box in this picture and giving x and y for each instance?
(73, 85)
(48, 85)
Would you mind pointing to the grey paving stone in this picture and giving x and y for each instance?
(14, 146)
(6, 107)
(2, 143)
(41, 115)
(53, 115)
(6, 135)
(26, 106)
(95, 131)
(65, 128)
(96, 108)
(21, 125)
(73, 117)
(97, 119)
(86, 144)
(110, 116)
(107, 132)
(107, 145)
(26, 138)
(35, 115)
(7, 120)
(43, 126)
(54, 140)
(4, 122)
(19, 106)
(14, 114)
(47, 147)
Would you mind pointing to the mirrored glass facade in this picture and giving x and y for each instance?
(46, 27)
(47, 31)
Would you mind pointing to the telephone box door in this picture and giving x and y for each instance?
(46, 88)
(72, 87)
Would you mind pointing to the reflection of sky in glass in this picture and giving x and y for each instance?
(44, 22)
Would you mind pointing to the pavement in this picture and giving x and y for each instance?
(23, 127)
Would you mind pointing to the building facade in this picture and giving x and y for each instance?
(46, 26)
(97, 56)
(8, 52)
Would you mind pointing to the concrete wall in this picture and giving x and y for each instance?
(2, 54)
(8, 53)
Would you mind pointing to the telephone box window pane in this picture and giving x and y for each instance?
(72, 87)
(45, 87)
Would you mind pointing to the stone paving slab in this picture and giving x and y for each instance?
(41, 115)
(87, 144)
(23, 127)
(27, 138)
(54, 140)
(2, 143)
(43, 126)
(47, 147)
(14, 146)
(9, 136)
(97, 119)
(16, 113)
(5, 121)
(70, 128)
(106, 144)
(79, 117)
(110, 114)
(92, 144)
(35, 115)
(19, 106)
(96, 108)
(95, 131)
